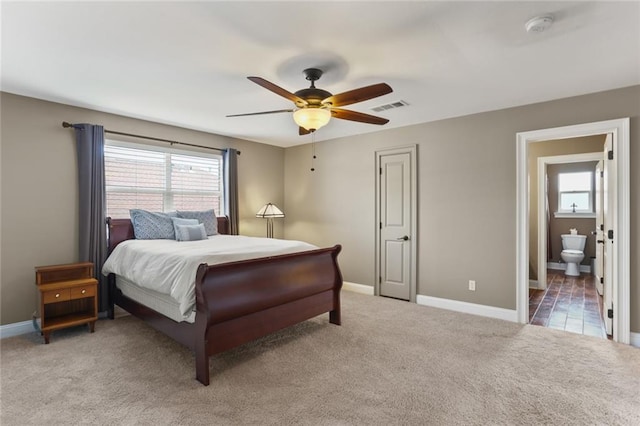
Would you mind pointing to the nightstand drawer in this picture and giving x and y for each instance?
(53, 296)
(85, 291)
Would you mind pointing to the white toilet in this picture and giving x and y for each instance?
(573, 252)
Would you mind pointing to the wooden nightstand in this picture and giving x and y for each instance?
(68, 296)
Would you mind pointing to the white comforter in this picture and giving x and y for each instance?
(169, 266)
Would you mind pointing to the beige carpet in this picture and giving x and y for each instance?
(390, 362)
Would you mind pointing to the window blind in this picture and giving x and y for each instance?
(160, 180)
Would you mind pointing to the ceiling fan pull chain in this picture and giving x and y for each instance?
(313, 151)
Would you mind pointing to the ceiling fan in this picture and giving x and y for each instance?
(315, 107)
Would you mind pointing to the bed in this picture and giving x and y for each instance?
(239, 301)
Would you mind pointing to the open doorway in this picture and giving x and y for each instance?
(563, 243)
(618, 229)
(548, 221)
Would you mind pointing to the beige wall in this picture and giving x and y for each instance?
(549, 149)
(467, 195)
(39, 188)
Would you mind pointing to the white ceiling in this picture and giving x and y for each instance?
(186, 63)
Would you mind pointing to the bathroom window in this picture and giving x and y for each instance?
(575, 192)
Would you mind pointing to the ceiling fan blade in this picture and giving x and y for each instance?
(358, 95)
(261, 113)
(345, 114)
(302, 131)
(279, 91)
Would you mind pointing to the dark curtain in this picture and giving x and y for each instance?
(92, 203)
(231, 189)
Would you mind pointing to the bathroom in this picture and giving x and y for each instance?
(560, 224)
(569, 155)
(564, 169)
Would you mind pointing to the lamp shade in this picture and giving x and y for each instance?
(312, 118)
(269, 210)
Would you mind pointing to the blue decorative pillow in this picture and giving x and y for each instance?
(151, 226)
(191, 232)
(178, 221)
(206, 217)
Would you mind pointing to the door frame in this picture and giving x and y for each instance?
(621, 219)
(412, 150)
(600, 248)
(543, 162)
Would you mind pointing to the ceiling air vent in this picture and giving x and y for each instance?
(391, 105)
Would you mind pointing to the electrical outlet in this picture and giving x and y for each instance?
(472, 285)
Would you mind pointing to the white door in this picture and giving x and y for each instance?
(599, 231)
(608, 189)
(397, 222)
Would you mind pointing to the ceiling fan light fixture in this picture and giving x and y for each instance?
(312, 118)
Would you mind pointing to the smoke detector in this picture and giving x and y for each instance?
(539, 23)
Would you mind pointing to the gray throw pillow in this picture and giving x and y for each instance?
(191, 232)
(178, 221)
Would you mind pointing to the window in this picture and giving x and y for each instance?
(160, 179)
(575, 192)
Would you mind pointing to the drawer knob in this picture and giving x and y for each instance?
(57, 295)
(84, 291)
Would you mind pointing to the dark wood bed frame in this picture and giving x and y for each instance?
(238, 302)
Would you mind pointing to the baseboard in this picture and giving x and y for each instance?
(358, 288)
(559, 266)
(469, 308)
(451, 305)
(635, 339)
(25, 327)
(16, 329)
(533, 284)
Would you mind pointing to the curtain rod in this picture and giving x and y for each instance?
(66, 124)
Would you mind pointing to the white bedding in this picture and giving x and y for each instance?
(169, 266)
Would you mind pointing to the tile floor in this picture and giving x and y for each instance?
(569, 303)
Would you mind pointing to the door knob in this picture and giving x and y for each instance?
(600, 241)
(405, 238)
